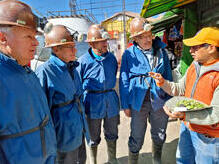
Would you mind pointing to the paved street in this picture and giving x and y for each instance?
(169, 149)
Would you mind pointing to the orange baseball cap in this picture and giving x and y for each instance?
(209, 35)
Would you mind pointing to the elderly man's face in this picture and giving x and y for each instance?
(22, 44)
(66, 53)
(144, 40)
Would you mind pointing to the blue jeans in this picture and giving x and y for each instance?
(158, 120)
(195, 148)
(110, 126)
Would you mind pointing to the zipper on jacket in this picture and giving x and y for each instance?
(197, 68)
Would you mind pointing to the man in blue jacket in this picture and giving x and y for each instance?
(63, 89)
(141, 99)
(27, 134)
(98, 70)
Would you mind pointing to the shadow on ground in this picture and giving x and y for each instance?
(168, 156)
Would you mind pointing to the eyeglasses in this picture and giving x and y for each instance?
(195, 48)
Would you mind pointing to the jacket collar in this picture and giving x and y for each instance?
(61, 64)
(13, 62)
(213, 67)
(54, 59)
(94, 58)
(139, 50)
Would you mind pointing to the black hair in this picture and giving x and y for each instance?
(217, 49)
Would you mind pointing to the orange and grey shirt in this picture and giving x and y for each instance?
(201, 83)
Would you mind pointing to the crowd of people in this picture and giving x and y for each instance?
(47, 115)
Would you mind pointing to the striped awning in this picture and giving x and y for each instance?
(154, 7)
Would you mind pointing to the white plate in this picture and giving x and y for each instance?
(171, 104)
(180, 109)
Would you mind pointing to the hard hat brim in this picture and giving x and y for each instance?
(7, 23)
(141, 32)
(97, 40)
(58, 44)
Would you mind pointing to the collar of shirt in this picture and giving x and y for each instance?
(148, 54)
(72, 65)
(148, 51)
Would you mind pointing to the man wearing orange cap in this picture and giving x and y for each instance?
(140, 98)
(27, 134)
(199, 135)
(63, 88)
(97, 70)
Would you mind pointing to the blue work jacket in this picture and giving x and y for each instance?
(23, 108)
(99, 75)
(134, 80)
(62, 93)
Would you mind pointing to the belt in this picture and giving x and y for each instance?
(104, 91)
(62, 104)
(80, 110)
(141, 77)
(76, 99)
(42, 134)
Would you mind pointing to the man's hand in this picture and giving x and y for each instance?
(127, 112)
(180, 115)
(157, 77)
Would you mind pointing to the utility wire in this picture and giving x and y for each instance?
(101, 2)
(109, 7)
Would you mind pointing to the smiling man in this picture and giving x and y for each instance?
(140, 98)
(199, 135)
(27, 133)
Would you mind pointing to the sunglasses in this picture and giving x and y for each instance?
(199, 46)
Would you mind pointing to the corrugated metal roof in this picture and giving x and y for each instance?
(67, 16)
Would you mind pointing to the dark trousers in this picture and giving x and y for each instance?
(158, 120)
(77, 156)
(110, 126)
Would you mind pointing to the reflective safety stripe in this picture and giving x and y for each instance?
(42, 134)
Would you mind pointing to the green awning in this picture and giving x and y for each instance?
(154, 7)
(168, 20)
